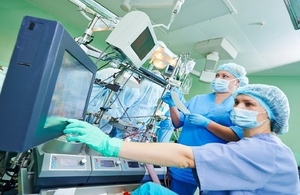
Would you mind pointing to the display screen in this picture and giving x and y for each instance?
(143, 44)
(68, 163)
(169, 70)
(70, 93)
(133, 164)
(49, 80)
(107, 163)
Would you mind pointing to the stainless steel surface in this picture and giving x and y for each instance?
(61, 146)
(91, 152)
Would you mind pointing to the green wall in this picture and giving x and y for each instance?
(12, 13)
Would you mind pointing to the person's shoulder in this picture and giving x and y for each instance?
(201, 98)
(205, 95)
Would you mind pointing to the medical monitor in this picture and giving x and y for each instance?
(134, 37)
(49, 80)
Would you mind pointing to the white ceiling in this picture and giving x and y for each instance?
(260, 30)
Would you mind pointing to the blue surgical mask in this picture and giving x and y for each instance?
(245, 119)
(219, 85)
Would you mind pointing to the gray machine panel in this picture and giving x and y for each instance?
(132, 167)
(105, 170)
(55, 165)
(53, 170)
(59, 170)
(106, 166)
(133, 171)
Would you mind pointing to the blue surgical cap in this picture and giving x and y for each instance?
(273, 100)
(237, 70)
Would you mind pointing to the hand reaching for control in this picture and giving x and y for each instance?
(95, 138)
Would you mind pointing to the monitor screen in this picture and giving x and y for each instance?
(49, 80)
(169, 70)
(143, 44)
(134, 38)
(70, 92)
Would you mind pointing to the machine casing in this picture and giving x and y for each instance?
(44, 60)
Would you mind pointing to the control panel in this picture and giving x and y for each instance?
(67, 162)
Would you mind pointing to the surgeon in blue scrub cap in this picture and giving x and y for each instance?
(208, 120)
(260, 163)
(238, 71)
(273, 101)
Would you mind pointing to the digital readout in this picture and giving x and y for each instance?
(71, 163)
(133, 164)
(107, 163)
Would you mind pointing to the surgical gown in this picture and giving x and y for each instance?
(140, 113)
(117, 105)
(260, 165)
(192, 135)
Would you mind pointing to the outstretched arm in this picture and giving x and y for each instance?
(165, 154)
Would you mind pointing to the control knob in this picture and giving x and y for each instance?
(82, 162)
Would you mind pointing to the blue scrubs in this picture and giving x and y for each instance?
(259, 165)
(192, 135)
(165, 130)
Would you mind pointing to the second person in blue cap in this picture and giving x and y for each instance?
(208, 121)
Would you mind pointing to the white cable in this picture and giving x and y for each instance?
(85, 15)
